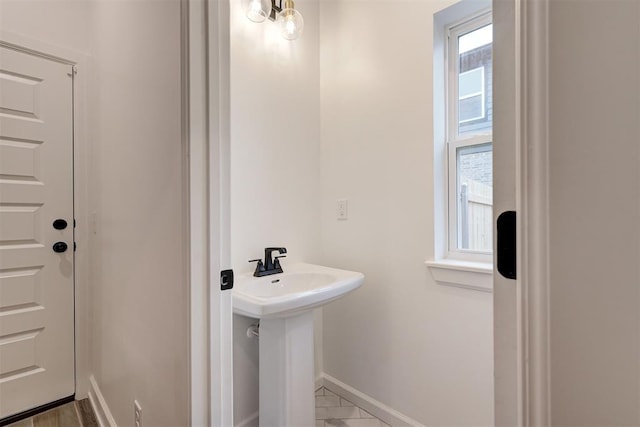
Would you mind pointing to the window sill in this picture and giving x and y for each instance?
(463, 274)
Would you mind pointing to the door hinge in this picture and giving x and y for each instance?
(226, 280)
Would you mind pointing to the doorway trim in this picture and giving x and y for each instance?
(521, 308)
(533, 153)
(206, 47)
(79, 61)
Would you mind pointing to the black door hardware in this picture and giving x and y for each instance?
(59, 224)
(506, 251)
(59, 247)
(226, 280)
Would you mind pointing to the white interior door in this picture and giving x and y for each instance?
(220, 310)
(521, 184)
(211, 310)
(505, 169)
(36, 189)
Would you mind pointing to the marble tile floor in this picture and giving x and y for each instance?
(335, 411)
(72, 414)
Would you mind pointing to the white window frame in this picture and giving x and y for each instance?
(462, 269)
(454, 141)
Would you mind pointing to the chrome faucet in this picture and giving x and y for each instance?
(270, 265)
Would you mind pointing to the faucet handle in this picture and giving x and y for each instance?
(259, 266)
(276, 262)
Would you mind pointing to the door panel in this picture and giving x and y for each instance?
(508, 411)
(36, 188)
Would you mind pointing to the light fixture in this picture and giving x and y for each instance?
(290, 21)
(283, 12)
(257, 10)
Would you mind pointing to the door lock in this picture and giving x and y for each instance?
(59, 224)
(226, 280)
(59, 247)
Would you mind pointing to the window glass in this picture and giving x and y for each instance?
(471, 95)
(475, 72)
(474, 191)
(471, 83)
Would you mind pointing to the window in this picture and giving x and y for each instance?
(462, 143)
(468, 134)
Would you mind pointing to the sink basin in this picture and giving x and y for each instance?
(301, 287)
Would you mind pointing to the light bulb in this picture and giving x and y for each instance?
(290, 23)
(290, 26)
(257, 10)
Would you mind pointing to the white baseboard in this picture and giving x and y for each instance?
(366, 402)
(100, 408)
(250, 421)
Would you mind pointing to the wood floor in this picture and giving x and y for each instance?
(72, 414)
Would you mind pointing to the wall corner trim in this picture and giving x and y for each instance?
(366, 402)
(99, 405)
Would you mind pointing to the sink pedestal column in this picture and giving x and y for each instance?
(287, 383)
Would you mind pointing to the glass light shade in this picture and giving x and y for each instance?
(257, 10)
(290, 23)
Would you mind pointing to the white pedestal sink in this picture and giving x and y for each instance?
(283, 303)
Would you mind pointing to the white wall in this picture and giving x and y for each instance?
(595, 205)
(139, 293)
(275, 162)
(422, 348)
(64, 23)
